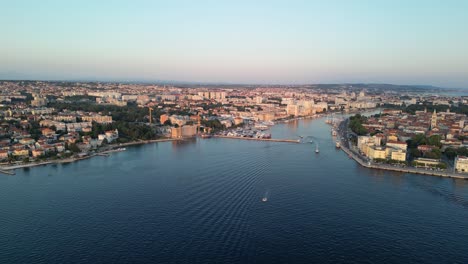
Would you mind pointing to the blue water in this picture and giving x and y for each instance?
(200, 201)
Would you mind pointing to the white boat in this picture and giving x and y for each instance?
(338, 145)
(264, 199)
(261, 127)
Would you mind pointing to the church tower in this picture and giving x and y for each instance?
(434, 119)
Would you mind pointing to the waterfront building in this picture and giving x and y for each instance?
(398, 155)
(184, 131)
(109, 135)
(363, 142)
(189, 130)
(461, 164)
(293, 109)
(425, 162)
(376, 152)
(23, 152)
(397, 145)
(265, 116)
(176, 132)
(37, 152)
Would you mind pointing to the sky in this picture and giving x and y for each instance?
(241, 41)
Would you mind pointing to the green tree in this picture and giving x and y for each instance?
(73, 148)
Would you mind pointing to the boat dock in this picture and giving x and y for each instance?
(7, 172)
(261, 139)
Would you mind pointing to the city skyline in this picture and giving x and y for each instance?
(275, 42)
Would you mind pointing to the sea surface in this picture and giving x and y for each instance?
(200, 201)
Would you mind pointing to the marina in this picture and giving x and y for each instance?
(261, 139)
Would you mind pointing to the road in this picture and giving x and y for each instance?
(366, 162)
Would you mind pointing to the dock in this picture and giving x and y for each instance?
(262, 139)
(7, 172)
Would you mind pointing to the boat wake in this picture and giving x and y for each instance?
(266, 196)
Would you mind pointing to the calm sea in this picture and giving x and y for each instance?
(200, 201)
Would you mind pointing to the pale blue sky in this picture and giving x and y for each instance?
(398, 41)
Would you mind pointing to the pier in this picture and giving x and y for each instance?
(262, 139)
(7, 172)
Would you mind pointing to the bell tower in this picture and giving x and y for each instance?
(434, 119)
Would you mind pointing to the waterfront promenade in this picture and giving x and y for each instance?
(369, 164)
(9, 170)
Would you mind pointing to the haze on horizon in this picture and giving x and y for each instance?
(399, 42)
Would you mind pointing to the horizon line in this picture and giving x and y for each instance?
(175, 82)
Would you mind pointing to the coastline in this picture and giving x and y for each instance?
(413, 170)
(403, 170)
(9, 170)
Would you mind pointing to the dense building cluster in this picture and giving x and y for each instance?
(58, 119)
(422, 137)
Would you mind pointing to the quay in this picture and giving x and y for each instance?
(399, 169)
(262, 139)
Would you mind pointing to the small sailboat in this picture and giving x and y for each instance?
(316, 149)
(265, 197)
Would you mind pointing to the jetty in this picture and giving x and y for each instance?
(7, 172)
(262, 139)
